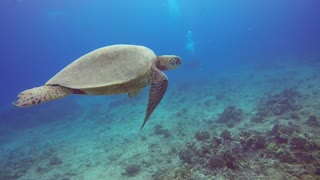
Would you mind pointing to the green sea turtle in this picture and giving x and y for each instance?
(114, 69)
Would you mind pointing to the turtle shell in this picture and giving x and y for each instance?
(116, 66)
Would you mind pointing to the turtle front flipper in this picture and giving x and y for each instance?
(159, 84)
(134, 93)
(41, 94)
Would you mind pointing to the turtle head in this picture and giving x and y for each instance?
(168, 62)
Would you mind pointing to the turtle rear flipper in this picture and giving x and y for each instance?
(159, 84)
(41, 94)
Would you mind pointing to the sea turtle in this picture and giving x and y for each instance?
(114, 69)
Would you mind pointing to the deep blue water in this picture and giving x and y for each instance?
(38, 38)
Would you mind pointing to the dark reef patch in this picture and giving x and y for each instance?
(202, 135)
(132, 170)
(282, 145)
(158, 130)
(230, 116)
(278, 104)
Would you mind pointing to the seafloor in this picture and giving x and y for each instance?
(252, 122)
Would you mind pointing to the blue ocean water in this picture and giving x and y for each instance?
(235, 55)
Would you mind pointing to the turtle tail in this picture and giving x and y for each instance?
(40, 94)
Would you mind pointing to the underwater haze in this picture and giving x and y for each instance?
(244, 104)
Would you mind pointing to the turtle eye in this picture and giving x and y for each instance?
(178, 60)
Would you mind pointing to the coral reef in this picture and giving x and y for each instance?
(257, 119)
(252, 140)
(182, 173)
(283, 147)
(215, 154)
(55, 161)
(230, 116)
(186, 156)
(202, 135)
(278, 104)
(158, 130)
(313, 121)
(216, 162)
(226, 135)
(132, 170)
(17, 164)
